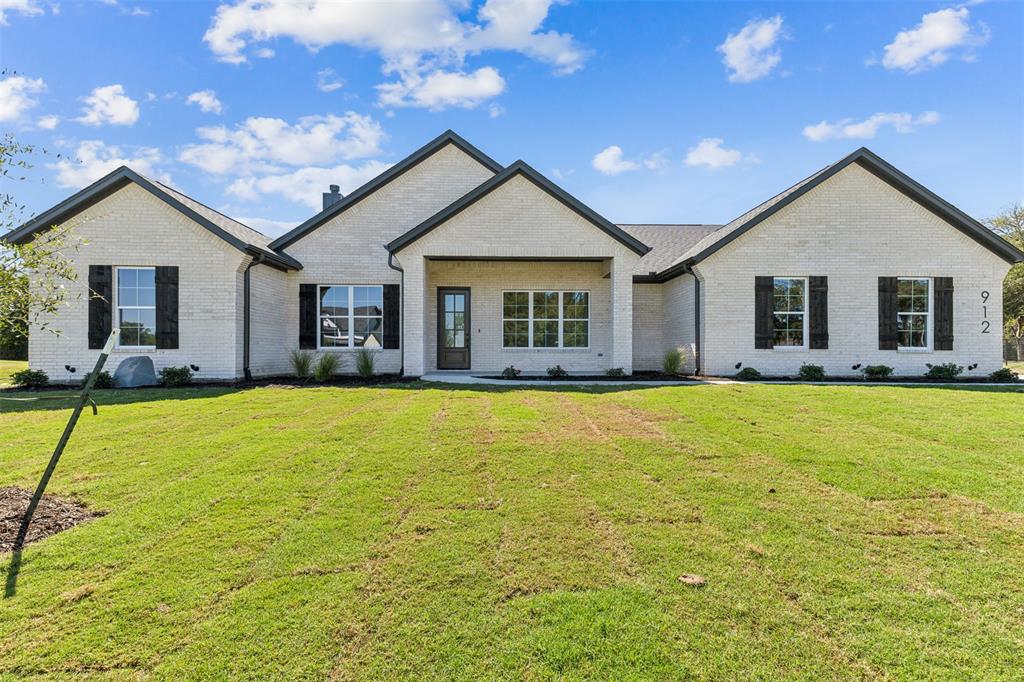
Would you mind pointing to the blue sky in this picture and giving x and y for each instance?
(652, 112)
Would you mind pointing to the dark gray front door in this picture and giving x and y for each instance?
(453, 328)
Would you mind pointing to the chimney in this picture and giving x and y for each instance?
(332, 197)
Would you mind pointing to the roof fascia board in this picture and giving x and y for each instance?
(399, 169)
(482, 190)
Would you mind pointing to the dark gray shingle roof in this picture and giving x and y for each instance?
(667, 242)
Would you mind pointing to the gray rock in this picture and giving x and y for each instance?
(133, 371)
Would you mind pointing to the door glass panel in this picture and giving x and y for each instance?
(454, 335)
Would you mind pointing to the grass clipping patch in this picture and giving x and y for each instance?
(53, 515)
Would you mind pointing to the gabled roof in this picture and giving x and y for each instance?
(667, 243)
(427, 150)
(523, 169)
(238, 235)
(880, 168)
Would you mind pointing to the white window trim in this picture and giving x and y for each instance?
(928, 326)
(805, 315)
(561, 320)
(116, 307)
(351, 317)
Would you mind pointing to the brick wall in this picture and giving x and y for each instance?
(853, 228)
(131, 227)
(349, 249)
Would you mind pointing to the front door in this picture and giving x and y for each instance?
(453, 328)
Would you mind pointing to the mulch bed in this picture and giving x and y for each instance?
(633, 378)
(53, 515)
(276, 382)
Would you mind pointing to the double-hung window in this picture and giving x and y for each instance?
(545, 319)
(136, 307)
(913, 312)
(351, 316)
(790, 312)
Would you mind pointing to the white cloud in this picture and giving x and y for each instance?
(749, 54)
(847, 128)
(27, 8)
(48, 122)
(16, 96)
(265, 53)
(327, 80)
(438, 89)
(307, 185)
(495, 111)
(424, 41)
(929, 43)
(206, 100)
(609, 161)
(109, 104)
(710, 153)
(94, 159)
(264, 144)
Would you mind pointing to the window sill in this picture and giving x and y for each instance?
(913, 350)
(334, 349)
(135, 349)
(790, 349)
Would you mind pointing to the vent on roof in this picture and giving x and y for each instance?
(332, 197)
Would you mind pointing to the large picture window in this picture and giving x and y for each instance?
(790, 312)
(136, 307)
(913, 311)
(545, 319)
(351, 316)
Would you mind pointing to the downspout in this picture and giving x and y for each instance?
(697, 360)
(245, 318)
(401, 334)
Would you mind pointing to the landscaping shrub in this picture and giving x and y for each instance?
(511, 372)
(366, 362)
(30, 378)
(877, 372)
(325, 367)
(302, 363)
(674, 361)
(557, 371)
(616, 372)
(175, 376)
(1004, 375)
(748, 374)
(948, 371)
(811, 372)
(103, 380)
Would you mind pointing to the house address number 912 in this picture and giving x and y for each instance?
(985, 324)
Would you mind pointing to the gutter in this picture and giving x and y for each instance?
(245, 317)
(697, 360)
(401, 334)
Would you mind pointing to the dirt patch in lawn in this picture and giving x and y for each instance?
(53, 515)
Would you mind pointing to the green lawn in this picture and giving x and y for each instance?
(9, 367)
(844, 532)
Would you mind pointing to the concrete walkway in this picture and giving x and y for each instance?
(469, 379)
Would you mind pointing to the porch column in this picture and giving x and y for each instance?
(622, 314)
(413, 315)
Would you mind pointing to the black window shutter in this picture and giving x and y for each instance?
(167, 306)
(101, 293)
(764, 314)
(307, 315)
(943, 304)
(392, 315)
(887, 337)
(817, 302)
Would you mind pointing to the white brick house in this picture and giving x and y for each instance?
(451, 261)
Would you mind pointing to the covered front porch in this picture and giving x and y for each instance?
(486, 315)
(517, 273)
